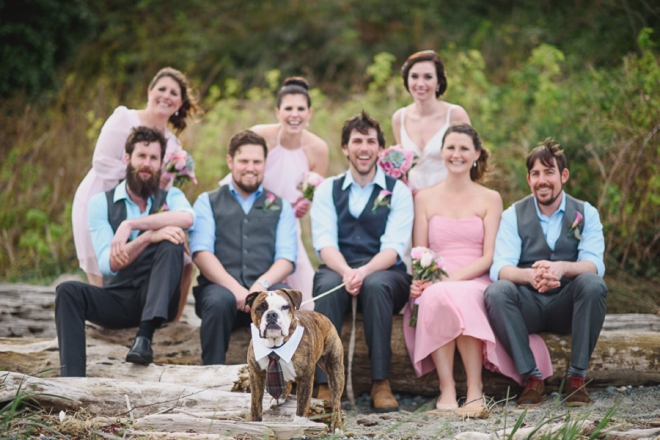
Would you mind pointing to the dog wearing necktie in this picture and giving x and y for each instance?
(274, 365)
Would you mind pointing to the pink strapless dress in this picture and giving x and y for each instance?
(449, 309)
(284, 171)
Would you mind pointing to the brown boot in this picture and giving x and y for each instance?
(382, 399)
(576, 392)
(324, 392)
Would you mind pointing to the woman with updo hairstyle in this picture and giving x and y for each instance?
(169, 102)
(292, 151)
(457, 218)
(421, 126)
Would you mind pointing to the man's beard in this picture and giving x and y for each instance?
(249, 189)
(140, 187)
(553, 199)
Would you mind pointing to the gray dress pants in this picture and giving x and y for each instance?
(156, 296)
(516, 311)
(383, 294)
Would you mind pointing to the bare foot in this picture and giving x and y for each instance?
(447, 399)
(474, 399)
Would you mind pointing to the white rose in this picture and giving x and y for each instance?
(426, 259)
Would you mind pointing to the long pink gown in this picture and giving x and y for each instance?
(284, 172)
(448, 309)
(108, 169)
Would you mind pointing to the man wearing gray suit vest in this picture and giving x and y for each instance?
(548, 269)
(244, 241)
(361, 224)
(138, 235)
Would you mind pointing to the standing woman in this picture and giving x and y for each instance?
(292, 151)
(169, 100)
(421, 126)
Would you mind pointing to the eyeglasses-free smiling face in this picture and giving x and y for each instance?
(247, 168)
(547, 183)
(165, 97)
(458, 153)
(293, 113)
(422, 80)
(362, 151)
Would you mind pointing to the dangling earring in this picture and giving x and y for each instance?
(176, 113)
(474, 165)
(307, 123)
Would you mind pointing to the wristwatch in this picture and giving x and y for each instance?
(264, 283)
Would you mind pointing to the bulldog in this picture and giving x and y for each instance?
(297, 340)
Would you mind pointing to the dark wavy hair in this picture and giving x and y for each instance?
(296, 85)
(189, 104)
(548, 153)
(362, 123)
(476, 173)
(145, 135)
(246, 137)
(426, 55)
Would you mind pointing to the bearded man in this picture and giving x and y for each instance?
(244, 241)
(548, 275)
(138, 235)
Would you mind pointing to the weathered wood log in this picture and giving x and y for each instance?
(121, 398)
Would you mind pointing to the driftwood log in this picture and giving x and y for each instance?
(628, 351)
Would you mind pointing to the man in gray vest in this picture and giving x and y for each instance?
(244, 241)
(361, 224)
(548, 269)
(138, 235)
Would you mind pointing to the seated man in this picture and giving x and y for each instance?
(244, 241)
(361, 224)
(145, 272)
(549, 263)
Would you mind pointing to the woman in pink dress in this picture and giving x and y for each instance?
(292, 151)
(421, 126)
(458, 218)
(169, 101)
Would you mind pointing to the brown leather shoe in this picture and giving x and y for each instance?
(576, 392)
(324, 392)
(533, 393)
(382, 399)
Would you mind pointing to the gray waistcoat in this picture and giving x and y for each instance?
(244, 244)
(534, 245)
(135, 273)
(359, 238)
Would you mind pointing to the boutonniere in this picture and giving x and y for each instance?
(269, 203)
(163, 208)
(574, 227)
(383, 199)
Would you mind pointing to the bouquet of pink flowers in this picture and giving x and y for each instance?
(310, 182)
(397, 162)
(427, 266)
(180, 167)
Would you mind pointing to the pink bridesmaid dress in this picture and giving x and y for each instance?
(284, 171)
(448, 309)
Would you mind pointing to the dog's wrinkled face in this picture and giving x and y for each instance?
(273, 313)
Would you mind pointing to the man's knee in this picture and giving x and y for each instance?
(218, 301)
(168, 248)
(498, 293)
(590, 285)
(67, 292)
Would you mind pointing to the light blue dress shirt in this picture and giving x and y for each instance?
(398, 229)
(203, 237)
(101, 230)
(508, 244)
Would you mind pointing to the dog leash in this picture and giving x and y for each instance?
(323, 294)
(351, 343)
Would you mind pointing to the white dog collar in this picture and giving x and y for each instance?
(285, 352)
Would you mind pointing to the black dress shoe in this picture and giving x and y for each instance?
(141, 352)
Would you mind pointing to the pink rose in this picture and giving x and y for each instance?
(417, 252)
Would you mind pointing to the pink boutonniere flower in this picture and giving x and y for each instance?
(269, 203)
(163, 208)
(383, 199)
(574, 227)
